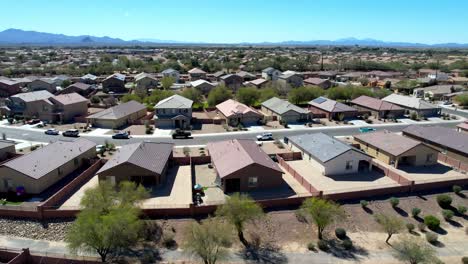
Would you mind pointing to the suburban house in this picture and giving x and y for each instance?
(83, 89)
(114, 83)
(88, 79)
(396, 150)
(231, 81)
(42, 168)
(9, 87)
(258, 83)
(196, 74)
(236, 113)
(329, 155)
(327, 108)
(290, 78)
(217, 75)
(32, 104)
(145, 81)
(322, 83)
(377, 107)
(446, 140)
(144, 163)
(172, 74)
(47, 84)
(7, 149)
(437, 92)
(413, 105)
(270, 74)
(284, 111)
(246, 76)
(118, 116)
(202, 85)
(68, 106)
(241, 165)
(173, 112)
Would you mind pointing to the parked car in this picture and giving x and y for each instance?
(52, 131)
(366, 129)
(71, 133)
(33, 121)
(265, 137)
(99, 148)
(181, 134)
(121, 135)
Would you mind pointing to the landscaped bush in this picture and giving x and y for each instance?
(311, 246)
(432, 222)
(364, 203)
(431, 237)
(340, 233)
(168, 239)
(448, 214)
(347, 244)
(322, 245)
(457, 189)
(461, 209)
(415, 212)
(444, 200)
(410, 227)
(394, 202)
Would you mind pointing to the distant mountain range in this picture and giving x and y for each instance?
(22, 37)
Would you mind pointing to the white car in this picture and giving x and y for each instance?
(265, 136)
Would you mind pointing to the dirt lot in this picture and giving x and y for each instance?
(66, 126)
(272, 148)
(435, 173)
(206, 177)
(207, 128)
(341, 183)
(194, 151)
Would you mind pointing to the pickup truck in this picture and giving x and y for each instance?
(181, 134)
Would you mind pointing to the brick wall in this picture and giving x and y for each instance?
(297, 175)
(452, 162)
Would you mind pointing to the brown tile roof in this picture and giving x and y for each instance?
(119, 111)
(231, 107)
(46, 159)
(375, 103)
(389, 142)
(315, 81)
(68, 99)
(148, 155)
(331, 106)
(233, 155)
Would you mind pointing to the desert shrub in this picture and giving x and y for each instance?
(448, 214)
(432, 222)
(431, 237)
(322, 245)
(364, 203)
(457, 189)
(444, 200)
(394, 202)
(168, 239)
(464, 260)
(422, 227)
(347, 244)
(461, 209)
(311, 246)
(415, 212)
(340, 233)
(410, 227)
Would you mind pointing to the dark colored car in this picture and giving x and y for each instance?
(71, 133)
(121, 135)
(181, 134)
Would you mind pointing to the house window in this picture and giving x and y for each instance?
(429, 157)
(349, 165)
(59, 170)
(253, 181)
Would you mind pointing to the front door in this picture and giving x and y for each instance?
(232, 185)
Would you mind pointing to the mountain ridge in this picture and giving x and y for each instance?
(28, 37)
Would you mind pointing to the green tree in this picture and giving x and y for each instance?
(304, 94)
(131, 97)
(322, 213)
(218, 95)
(414, 251)
(109, 220)
(65, 83)
(167, 82)
(157, 95)
(248, 95)
(238, 210)
(267, 93)
(208, 240)
(339, 93)
(462, 100)
(390, 224)
(192, 94)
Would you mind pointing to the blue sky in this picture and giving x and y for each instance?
(224, 21)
